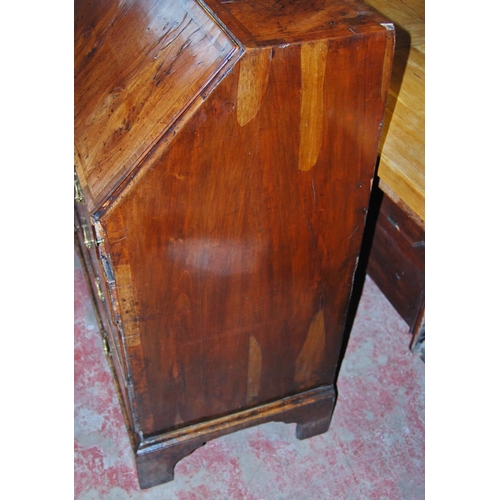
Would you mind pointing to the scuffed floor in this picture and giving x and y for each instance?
(373, 450)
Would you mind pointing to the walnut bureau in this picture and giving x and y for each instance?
(224, 158)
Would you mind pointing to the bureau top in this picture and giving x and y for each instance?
(276, 22)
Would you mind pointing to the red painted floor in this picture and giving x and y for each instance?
(373, 450)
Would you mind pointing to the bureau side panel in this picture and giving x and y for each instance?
(235, 252)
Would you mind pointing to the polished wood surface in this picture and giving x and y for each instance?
(228, 220)
(402, 152)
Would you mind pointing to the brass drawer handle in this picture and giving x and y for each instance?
(88, 241)
(87, 238)
(78, 190)
(99, 291)
(106, 347)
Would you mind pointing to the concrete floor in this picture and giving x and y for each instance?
(373, 450)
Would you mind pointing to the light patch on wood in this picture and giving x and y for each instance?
(254, 369)
(126, 301)
(311, 356)
(313, 66)
(388, 57)
(252, 84)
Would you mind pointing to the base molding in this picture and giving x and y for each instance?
(157, 456)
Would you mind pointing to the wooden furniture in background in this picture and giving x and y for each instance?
(225, 153)
(397, 260)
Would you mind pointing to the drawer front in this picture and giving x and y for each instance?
(397, 261)
(100, 289)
